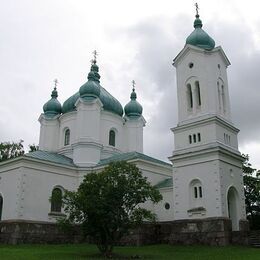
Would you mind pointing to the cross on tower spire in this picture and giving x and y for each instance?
(55, 83)
(94, 61)
(197, 9)
(133, 84)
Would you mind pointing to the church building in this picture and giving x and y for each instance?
(203, 181)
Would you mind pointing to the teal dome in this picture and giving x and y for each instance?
(69, 104)
(199, 37)
(53, 106)
(93, 89)
(90, 89)
(133, 109)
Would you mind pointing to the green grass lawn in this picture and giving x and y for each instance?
(84, 251)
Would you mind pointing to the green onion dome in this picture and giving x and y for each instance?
(90, 89)
(133, 109)
(69, 104)
(199, 37)
(53, 106)
(110, 103)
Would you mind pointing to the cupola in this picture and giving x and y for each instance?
(53, 106)
(91, 90)
(133, 109)
(199, 37)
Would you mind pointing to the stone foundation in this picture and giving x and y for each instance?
(30, 232)
(209, 231)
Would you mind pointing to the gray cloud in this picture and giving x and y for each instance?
(40, 43)
(156, 49)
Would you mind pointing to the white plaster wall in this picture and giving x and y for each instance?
(49, 134)
(110, 121)
(38, 183)
(134, 135)
(10, 188)
(210, 131)
(88, 120)
(220, 131)
(206, 71)
(67, 121)
(181, 136)
(231, 176)
(205, 169)
(162, 213)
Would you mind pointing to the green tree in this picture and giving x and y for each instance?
(9, 150)
(108, 204)
(252, 193)
(33, 148)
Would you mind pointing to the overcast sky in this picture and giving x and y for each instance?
(138, 39)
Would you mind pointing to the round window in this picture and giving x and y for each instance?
(167, 205)
(191, 65)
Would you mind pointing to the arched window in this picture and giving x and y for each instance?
(219, 97)
(67, 137)
(196, 193)
(112, 138)
(56, 200)
(197, 88)
(189, 97)
(223, 98)
(197, 190)
(1, 206)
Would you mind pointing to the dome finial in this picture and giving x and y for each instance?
(133, 94)
(133, 84)
(197, 10)
(95, 54)
(55, 83)
(197, 22)
(54, 93)
(94, 67)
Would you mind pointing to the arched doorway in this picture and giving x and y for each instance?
(1, 206)
(232, 201)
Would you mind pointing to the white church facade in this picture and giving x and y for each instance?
(91, 129)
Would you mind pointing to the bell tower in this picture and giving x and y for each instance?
(207, 175)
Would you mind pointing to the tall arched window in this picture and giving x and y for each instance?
(219, 97)
(56, 200)
(197, 88)
(112, 138)
(189, 97)
(1, 206)
(223, 98)
(67, 137)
